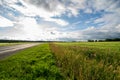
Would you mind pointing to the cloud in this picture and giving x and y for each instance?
(109, 20)
(58, 21)
(4, 22)
(53, 14)
(88, 10)
(27, 9)
(105, 4)
(26, 28)
(48, 5)
(58, 7)
(100, 33)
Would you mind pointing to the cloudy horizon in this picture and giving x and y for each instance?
(59, 20)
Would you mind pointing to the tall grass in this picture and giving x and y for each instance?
(87, 63)
(36, 63)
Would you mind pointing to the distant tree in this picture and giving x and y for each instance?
(101, 40)
(90, 40)
(108, 40)
(114, 39)
(95, 40)
(117, 39)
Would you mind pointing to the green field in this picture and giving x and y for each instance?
(64, 61)
(88, 60)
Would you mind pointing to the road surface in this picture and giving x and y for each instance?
(8, 50)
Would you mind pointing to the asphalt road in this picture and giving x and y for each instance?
(8, 50)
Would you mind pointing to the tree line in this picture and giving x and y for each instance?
(105, 40)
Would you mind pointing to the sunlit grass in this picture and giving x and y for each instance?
(36, 63)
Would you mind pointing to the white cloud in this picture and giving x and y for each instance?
(58, 7)
(88, 10)
(99, 20)
(4, 22)
(29, 25)
(0, 2)
(31, 10)
(26, 27)
(58, 21)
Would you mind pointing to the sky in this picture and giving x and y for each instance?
(59, 20)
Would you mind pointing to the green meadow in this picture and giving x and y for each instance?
(64, 61)
(36, 63)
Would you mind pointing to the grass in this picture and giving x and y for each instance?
(88, 61)
(64, 61)
(36, 63)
